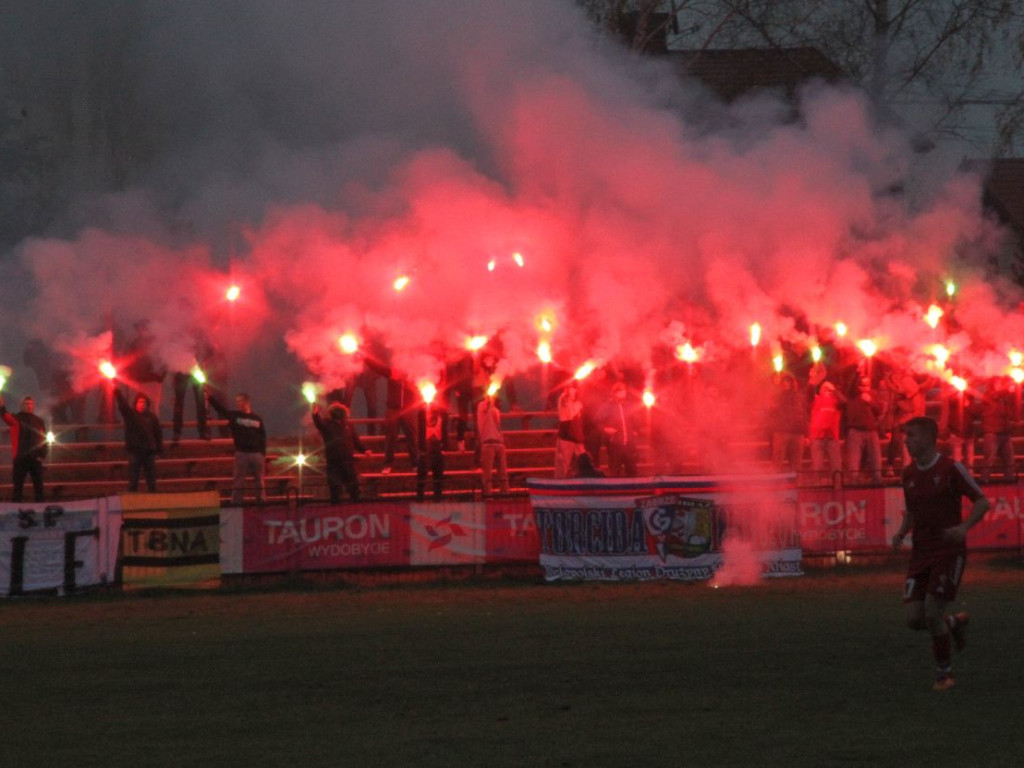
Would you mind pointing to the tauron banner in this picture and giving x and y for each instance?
(682, 529)
(321, 537)
(376, 535)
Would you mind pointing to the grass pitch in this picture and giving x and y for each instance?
(814, 671)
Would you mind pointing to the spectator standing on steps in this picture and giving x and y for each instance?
(492, 444)
(143, 439)
(29, 447)
(998, 415)
(788, 420)
(824, 430)
(250, 439)
(340, 445)
(432, 429)
(569, 442)
(620, 421)
(862, 441)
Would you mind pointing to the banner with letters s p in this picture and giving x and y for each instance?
(56, 548)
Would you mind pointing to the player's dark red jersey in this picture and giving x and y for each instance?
(934, 496)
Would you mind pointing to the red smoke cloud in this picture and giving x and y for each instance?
(638, 224)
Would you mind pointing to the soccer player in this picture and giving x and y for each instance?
(933, 488)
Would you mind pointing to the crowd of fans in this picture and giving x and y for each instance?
(852, 427)
(828, 421)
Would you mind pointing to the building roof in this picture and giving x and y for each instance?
(732, 73)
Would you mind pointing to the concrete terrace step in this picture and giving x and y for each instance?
(98, 467)
(276, 486)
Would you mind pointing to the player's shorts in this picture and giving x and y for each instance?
(937, 575)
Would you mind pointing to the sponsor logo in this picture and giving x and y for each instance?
(310, 530)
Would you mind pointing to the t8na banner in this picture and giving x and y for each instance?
(731, 529)
(170, 538)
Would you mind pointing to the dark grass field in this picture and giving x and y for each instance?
(814, 671)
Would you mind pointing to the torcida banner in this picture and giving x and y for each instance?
(682, 529)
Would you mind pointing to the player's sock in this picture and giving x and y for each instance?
(942, 648)
(957, 624)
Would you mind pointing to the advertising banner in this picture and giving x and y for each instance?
(856, 518)
(170, 538)
(324, 537)
(447, 533)
(53, 548)
(865, 519)
(375, 535)
(511, 531)
(666, 528)
(1003, 525)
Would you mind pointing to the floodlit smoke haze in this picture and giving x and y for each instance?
(315, 152)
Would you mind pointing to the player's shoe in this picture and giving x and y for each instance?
(943, 683)
(959, 630)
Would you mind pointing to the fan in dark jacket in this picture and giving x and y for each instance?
(432, 428)
(28, 442)
(340, 445)
(143, 440)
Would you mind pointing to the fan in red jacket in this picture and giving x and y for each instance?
(28, 442)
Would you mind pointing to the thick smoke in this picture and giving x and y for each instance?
(313, 152)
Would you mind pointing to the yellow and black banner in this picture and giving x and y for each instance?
(170, 539)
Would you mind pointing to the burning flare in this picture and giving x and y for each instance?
(476, 343)
(940, 353)
(686, 353)
(108, 370)
(933, 315)
(349, 343)
(585, 370)
(400, 283)
(428, 391)
(544, 352)
(755, 334)
(868, 347)
(232, 293)
(309, 391)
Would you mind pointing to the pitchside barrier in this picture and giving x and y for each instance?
(663, 528)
